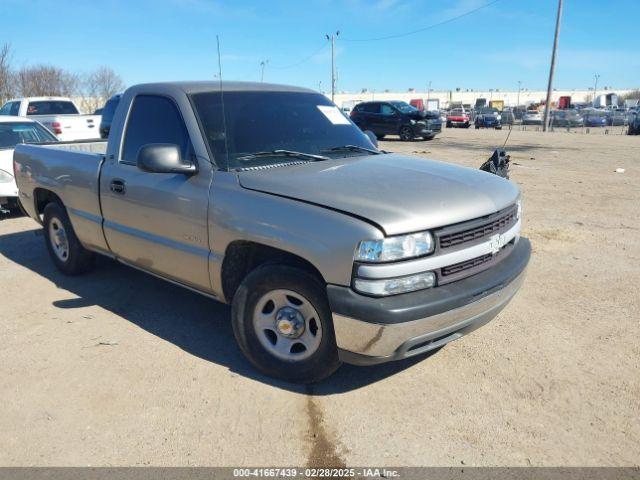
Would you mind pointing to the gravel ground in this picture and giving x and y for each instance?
(119, 368)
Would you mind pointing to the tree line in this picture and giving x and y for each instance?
(92, 89)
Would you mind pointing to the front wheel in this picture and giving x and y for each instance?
(282, 322)
(66, 251)
(406, 134)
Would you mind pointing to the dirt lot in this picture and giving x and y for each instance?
(119, 368)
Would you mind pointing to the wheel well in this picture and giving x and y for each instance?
(242, 257)
(43, 197)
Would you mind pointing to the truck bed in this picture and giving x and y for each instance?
(71, 170)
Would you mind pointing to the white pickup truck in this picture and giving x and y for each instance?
(58, 114)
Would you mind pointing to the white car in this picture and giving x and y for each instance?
(532, 117)
(58, 114)
(15, 130)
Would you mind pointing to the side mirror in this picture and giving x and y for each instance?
(163, 158)
(372, 137)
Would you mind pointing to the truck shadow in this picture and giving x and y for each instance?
(192, 322)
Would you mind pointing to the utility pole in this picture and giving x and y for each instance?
(547, 107)
(320, 86)
(332, 39)
(595, 88)
(518, 100)
(428, 93)
(263, 64)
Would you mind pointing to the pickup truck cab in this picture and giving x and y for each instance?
(58, 114)
(268, 198)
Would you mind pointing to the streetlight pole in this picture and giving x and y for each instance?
(518, 100)
(263, 64)
(332, 39)
(547, 107)
(428, 93)
(595, 88)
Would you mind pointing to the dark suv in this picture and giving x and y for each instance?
(108, 111)
(396, 118)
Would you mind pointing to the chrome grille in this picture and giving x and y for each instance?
(468, 232)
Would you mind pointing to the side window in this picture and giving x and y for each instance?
(154, 119)
(15, 109)
(387, 109)
(371, 107)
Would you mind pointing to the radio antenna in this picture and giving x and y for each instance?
(224, 117)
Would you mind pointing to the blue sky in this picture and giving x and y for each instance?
(155, 40)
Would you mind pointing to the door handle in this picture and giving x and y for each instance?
(117, 186)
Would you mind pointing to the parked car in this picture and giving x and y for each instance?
(328, 249)
(14, 131)
(394, 118)
(594, 117)
(634, 123)
(107, 115)
(616, 117)
(566, 118)
(458, 117)
(508, 117)
(58, 114)
(488, 117)
(532, 117)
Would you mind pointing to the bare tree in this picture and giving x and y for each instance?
(99, 86)
(7, 77)
(47, 80)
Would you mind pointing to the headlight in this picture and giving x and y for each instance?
(413, 122)
(394, 286)
(499, 117)
(519, 212)
(5, 177)
(395, 248)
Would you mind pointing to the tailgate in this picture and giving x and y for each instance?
(74, 127)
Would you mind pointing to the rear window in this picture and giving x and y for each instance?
(52, 107)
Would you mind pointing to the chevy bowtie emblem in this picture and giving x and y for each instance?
(496, 242)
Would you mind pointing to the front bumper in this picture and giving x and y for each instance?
(8, 190)
(376, 330)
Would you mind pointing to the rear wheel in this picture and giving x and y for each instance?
(68, 255)
(282, 322)
(406, 134)
(379, 137)
(448, 124)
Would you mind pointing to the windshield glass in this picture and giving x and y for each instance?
(404, 107)
(13, 133)
(267, 121)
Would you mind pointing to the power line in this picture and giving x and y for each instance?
(413, 32)
(305, 59)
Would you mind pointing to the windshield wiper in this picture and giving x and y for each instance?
(283, 153)
(352, 148)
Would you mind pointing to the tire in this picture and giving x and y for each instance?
(477, 126)
(251, 311)
(448, 124)
(406, 134)
(68, 255)
(379, 137)
(467, 125)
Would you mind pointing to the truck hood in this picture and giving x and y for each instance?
(399, 194)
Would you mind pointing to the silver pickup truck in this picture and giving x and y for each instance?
(268, 198)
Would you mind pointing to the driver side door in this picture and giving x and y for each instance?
(157, 221)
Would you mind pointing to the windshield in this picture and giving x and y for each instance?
(404, 107)
(488, 111)
(13, 133)
(267, 121)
